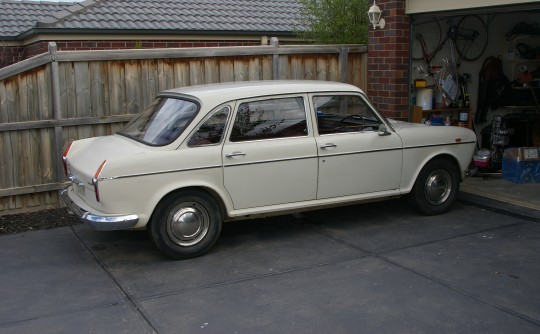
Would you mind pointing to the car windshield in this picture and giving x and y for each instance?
(162, 122)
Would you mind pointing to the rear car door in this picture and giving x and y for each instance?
(270, 157)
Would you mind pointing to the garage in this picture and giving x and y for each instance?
(478, 65)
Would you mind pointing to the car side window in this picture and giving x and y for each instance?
(269, 119)
(211, 131)
(343, 113)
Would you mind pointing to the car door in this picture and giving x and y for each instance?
(270, 157)
(353, 157)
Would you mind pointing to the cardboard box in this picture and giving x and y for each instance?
(521, 164)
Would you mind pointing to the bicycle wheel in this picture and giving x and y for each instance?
(427, 31)
(471, 37)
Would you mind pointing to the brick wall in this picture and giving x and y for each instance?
(11, 54)
(388, 61)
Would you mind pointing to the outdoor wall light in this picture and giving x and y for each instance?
(374, 14)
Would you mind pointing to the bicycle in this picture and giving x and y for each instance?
(469, 38)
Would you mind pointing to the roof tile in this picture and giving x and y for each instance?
(184, 15)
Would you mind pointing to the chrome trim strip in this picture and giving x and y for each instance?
(268, 139)
(269, 161)
(157, 173)
(99, 222)
(432, 145)
(277, 160)
(76, 180)
(360, 152)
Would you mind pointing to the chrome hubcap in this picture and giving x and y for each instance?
(438, 187)
(188, 224)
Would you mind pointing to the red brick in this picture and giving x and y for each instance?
(74, 44)
(392, 46)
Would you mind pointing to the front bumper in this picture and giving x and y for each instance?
(99, 222)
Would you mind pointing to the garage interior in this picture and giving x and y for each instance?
(502, 108)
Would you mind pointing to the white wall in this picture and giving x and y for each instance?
(425, 6)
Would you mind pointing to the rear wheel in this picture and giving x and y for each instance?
(436, 187)
(186, 225)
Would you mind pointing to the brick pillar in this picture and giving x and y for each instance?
(388, 61)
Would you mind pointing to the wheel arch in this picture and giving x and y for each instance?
(176, 192)
(449, 158)
(436, 186)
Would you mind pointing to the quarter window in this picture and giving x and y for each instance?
(268, 119)
(344, 113)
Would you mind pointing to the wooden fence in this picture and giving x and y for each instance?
(54, 98)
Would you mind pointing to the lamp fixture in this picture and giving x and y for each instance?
(374, 14)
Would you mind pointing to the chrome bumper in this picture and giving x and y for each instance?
(99, 222)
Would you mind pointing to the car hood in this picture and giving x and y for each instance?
(414, 134)
(85, 156)
(398, 125)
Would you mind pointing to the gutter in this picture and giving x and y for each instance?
(56, 31)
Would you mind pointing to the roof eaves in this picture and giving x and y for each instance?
(71, 31)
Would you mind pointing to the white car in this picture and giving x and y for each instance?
(202, 155)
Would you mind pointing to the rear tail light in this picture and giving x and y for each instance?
(64, 158)
(95, 180)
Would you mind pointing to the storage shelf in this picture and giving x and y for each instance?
(524, 36)
(522, 60)
(520, 107)
(524, 87)
(417, 113)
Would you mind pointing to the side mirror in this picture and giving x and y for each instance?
(383, 131)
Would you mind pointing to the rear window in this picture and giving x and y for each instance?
(162, 121)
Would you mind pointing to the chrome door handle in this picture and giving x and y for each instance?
(235, 154)
(329, 145)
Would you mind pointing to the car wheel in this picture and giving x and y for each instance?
(186, 225)
(436, 187)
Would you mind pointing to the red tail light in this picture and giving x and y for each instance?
(64, 158)
(95, 180)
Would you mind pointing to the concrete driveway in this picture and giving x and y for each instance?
(375, 268)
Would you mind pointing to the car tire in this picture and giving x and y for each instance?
(186, 225)
(436, 187)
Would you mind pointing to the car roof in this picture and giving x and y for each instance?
(246, 89)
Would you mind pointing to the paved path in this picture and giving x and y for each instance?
(376, 268)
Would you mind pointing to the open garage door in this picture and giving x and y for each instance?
(425, 6)
(512, 38)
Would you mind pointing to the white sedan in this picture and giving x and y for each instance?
(202, 155)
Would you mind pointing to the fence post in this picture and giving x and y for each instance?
(344, 64)
(275, 58)
(57, 112)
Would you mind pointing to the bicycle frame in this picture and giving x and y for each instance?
(450, 35)
(461, 40)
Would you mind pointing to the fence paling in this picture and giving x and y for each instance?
(52, 99)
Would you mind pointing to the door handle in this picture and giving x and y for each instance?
(235, 154)
(329, 145)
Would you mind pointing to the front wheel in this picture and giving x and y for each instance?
(186, 225)
(436, 187)
(471, 37)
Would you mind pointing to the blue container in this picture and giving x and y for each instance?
(517, 168)
(436, 119)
